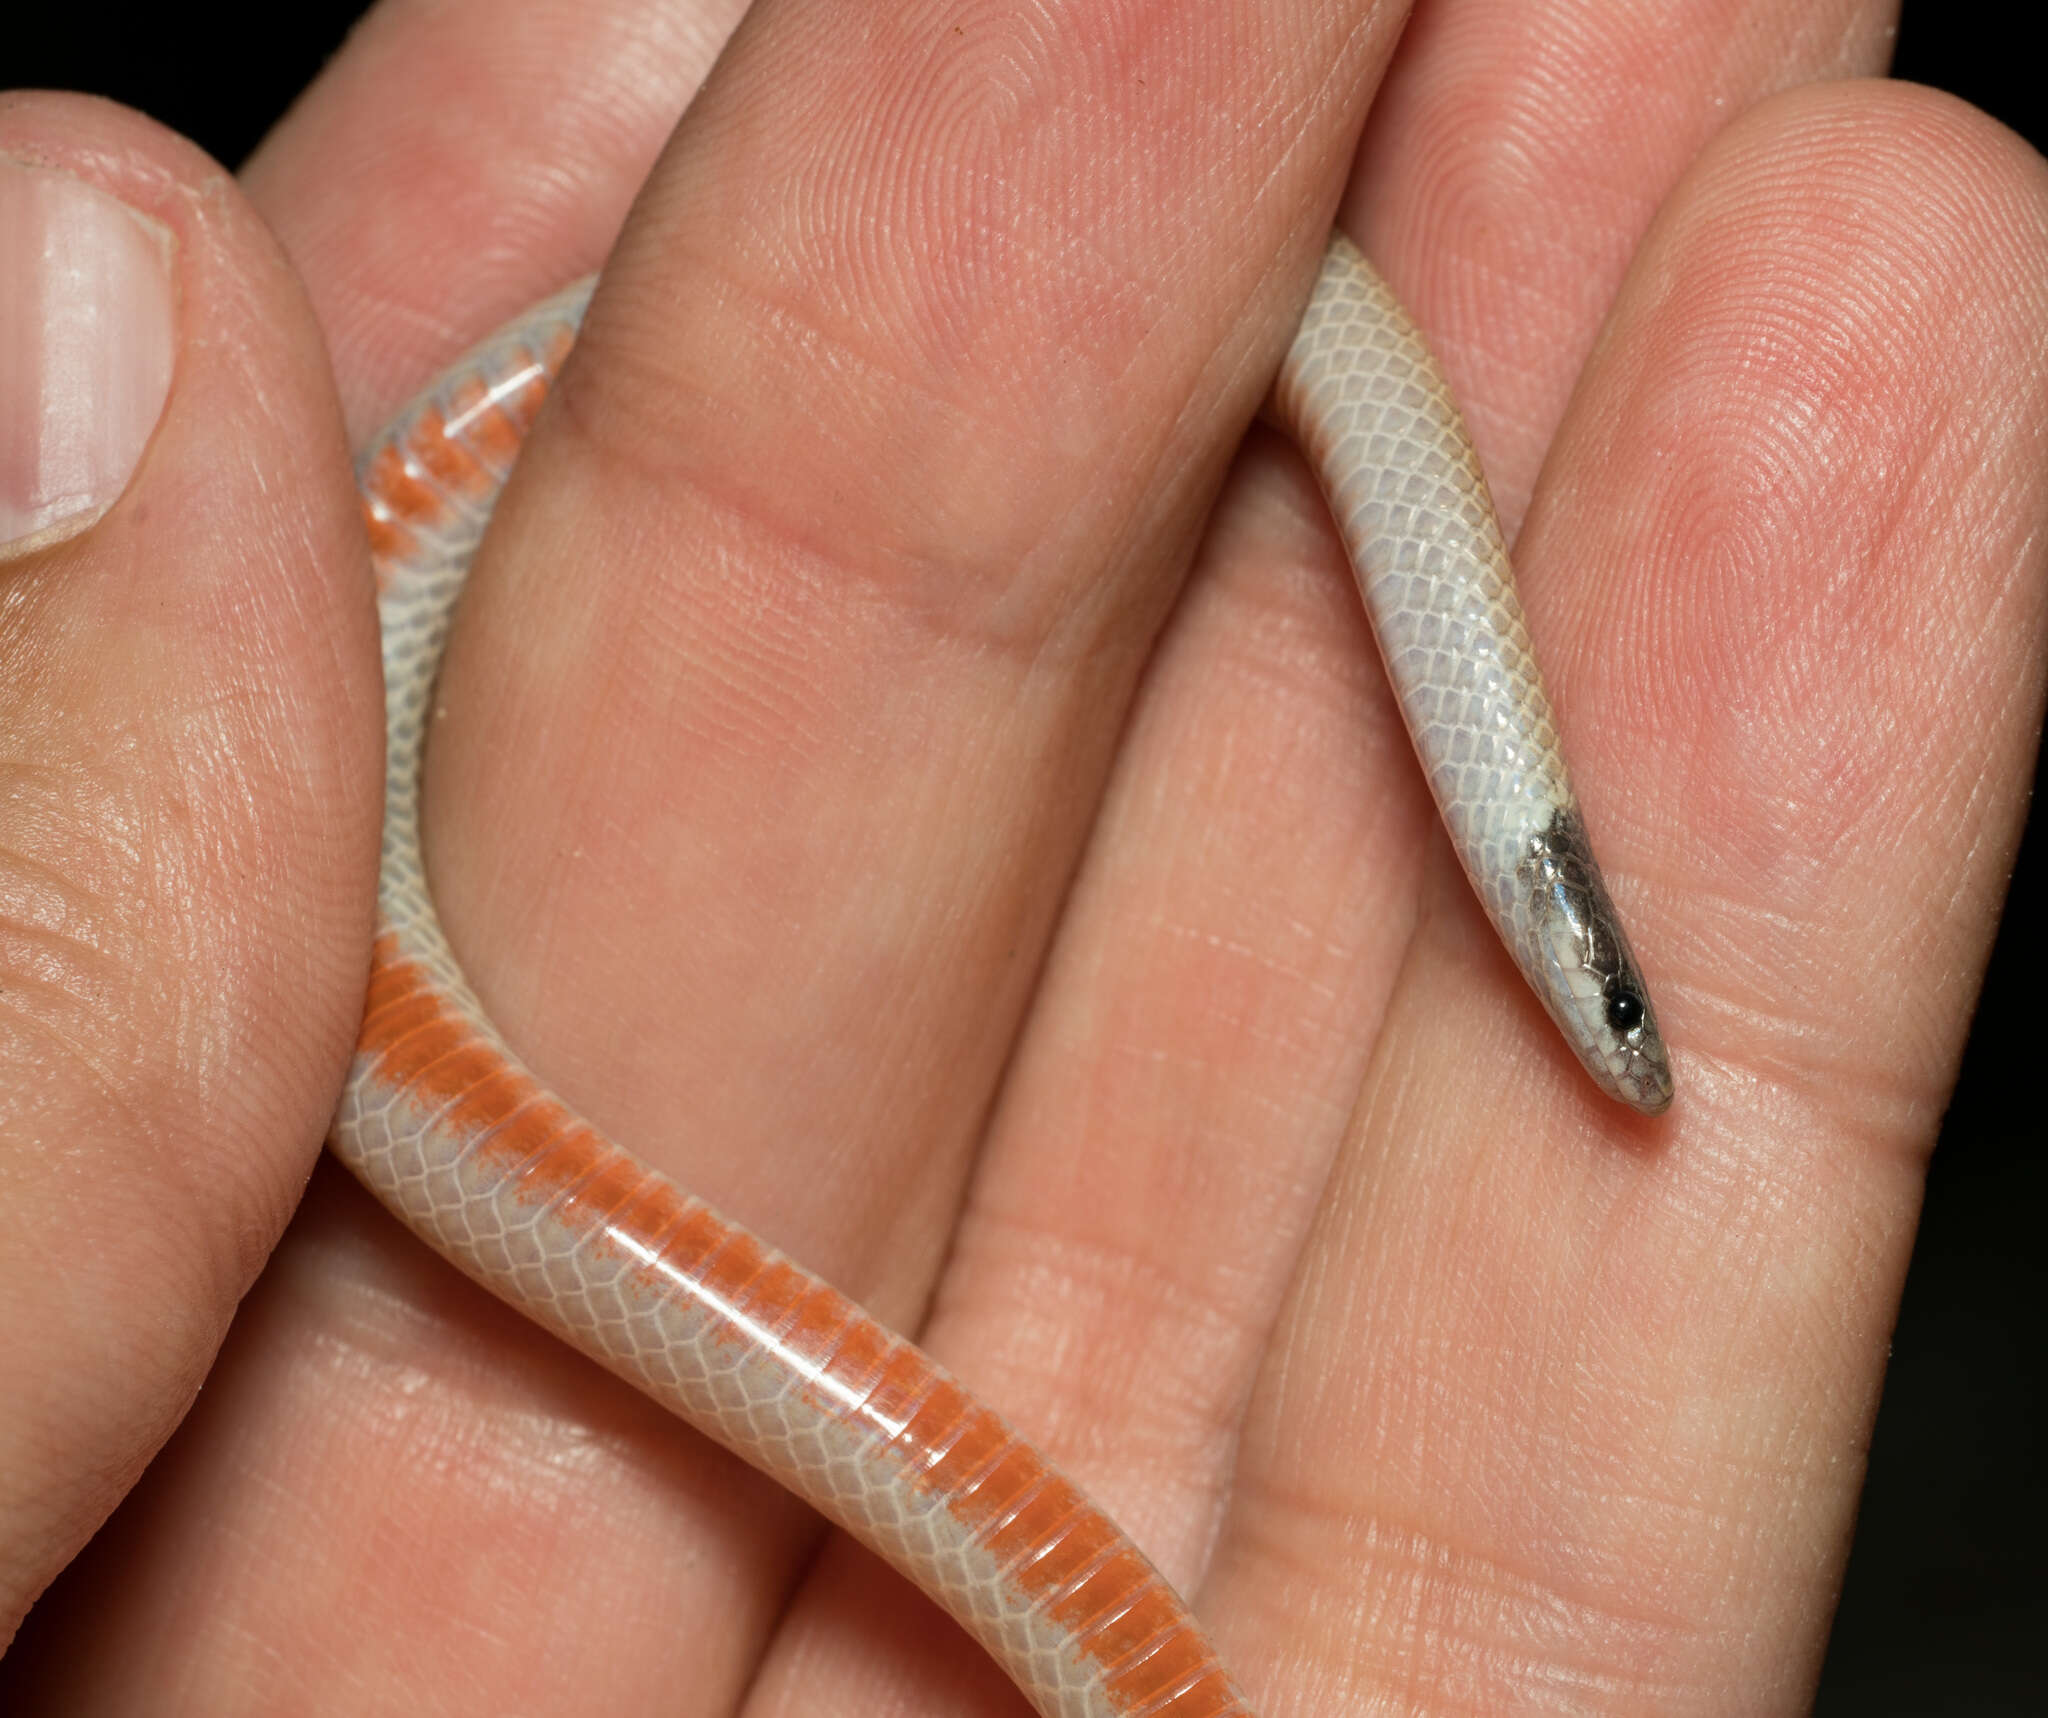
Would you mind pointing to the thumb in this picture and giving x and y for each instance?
(190, 736)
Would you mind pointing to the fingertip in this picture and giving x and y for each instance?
(1802, 487)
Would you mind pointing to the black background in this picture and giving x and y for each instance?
(1945, 1606)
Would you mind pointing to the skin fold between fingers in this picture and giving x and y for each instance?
(1588, 112)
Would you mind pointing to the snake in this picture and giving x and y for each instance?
(444, 1123)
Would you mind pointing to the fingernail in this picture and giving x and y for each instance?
(87, 331)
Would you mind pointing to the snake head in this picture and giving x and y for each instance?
(1571, 946)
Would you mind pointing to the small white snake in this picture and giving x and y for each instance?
(448, 1128)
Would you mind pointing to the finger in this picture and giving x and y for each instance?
(814, 778)
(453, 163)
(1602, 1410)
(189, 809)
(889, 650)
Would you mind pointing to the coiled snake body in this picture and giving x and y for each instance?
(442, 1121)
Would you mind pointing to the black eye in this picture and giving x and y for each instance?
(1624, 1011)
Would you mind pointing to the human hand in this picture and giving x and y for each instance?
(1282, 1220)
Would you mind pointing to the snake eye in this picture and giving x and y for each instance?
(1624, 1011)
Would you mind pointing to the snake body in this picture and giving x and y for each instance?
(443, 1122)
